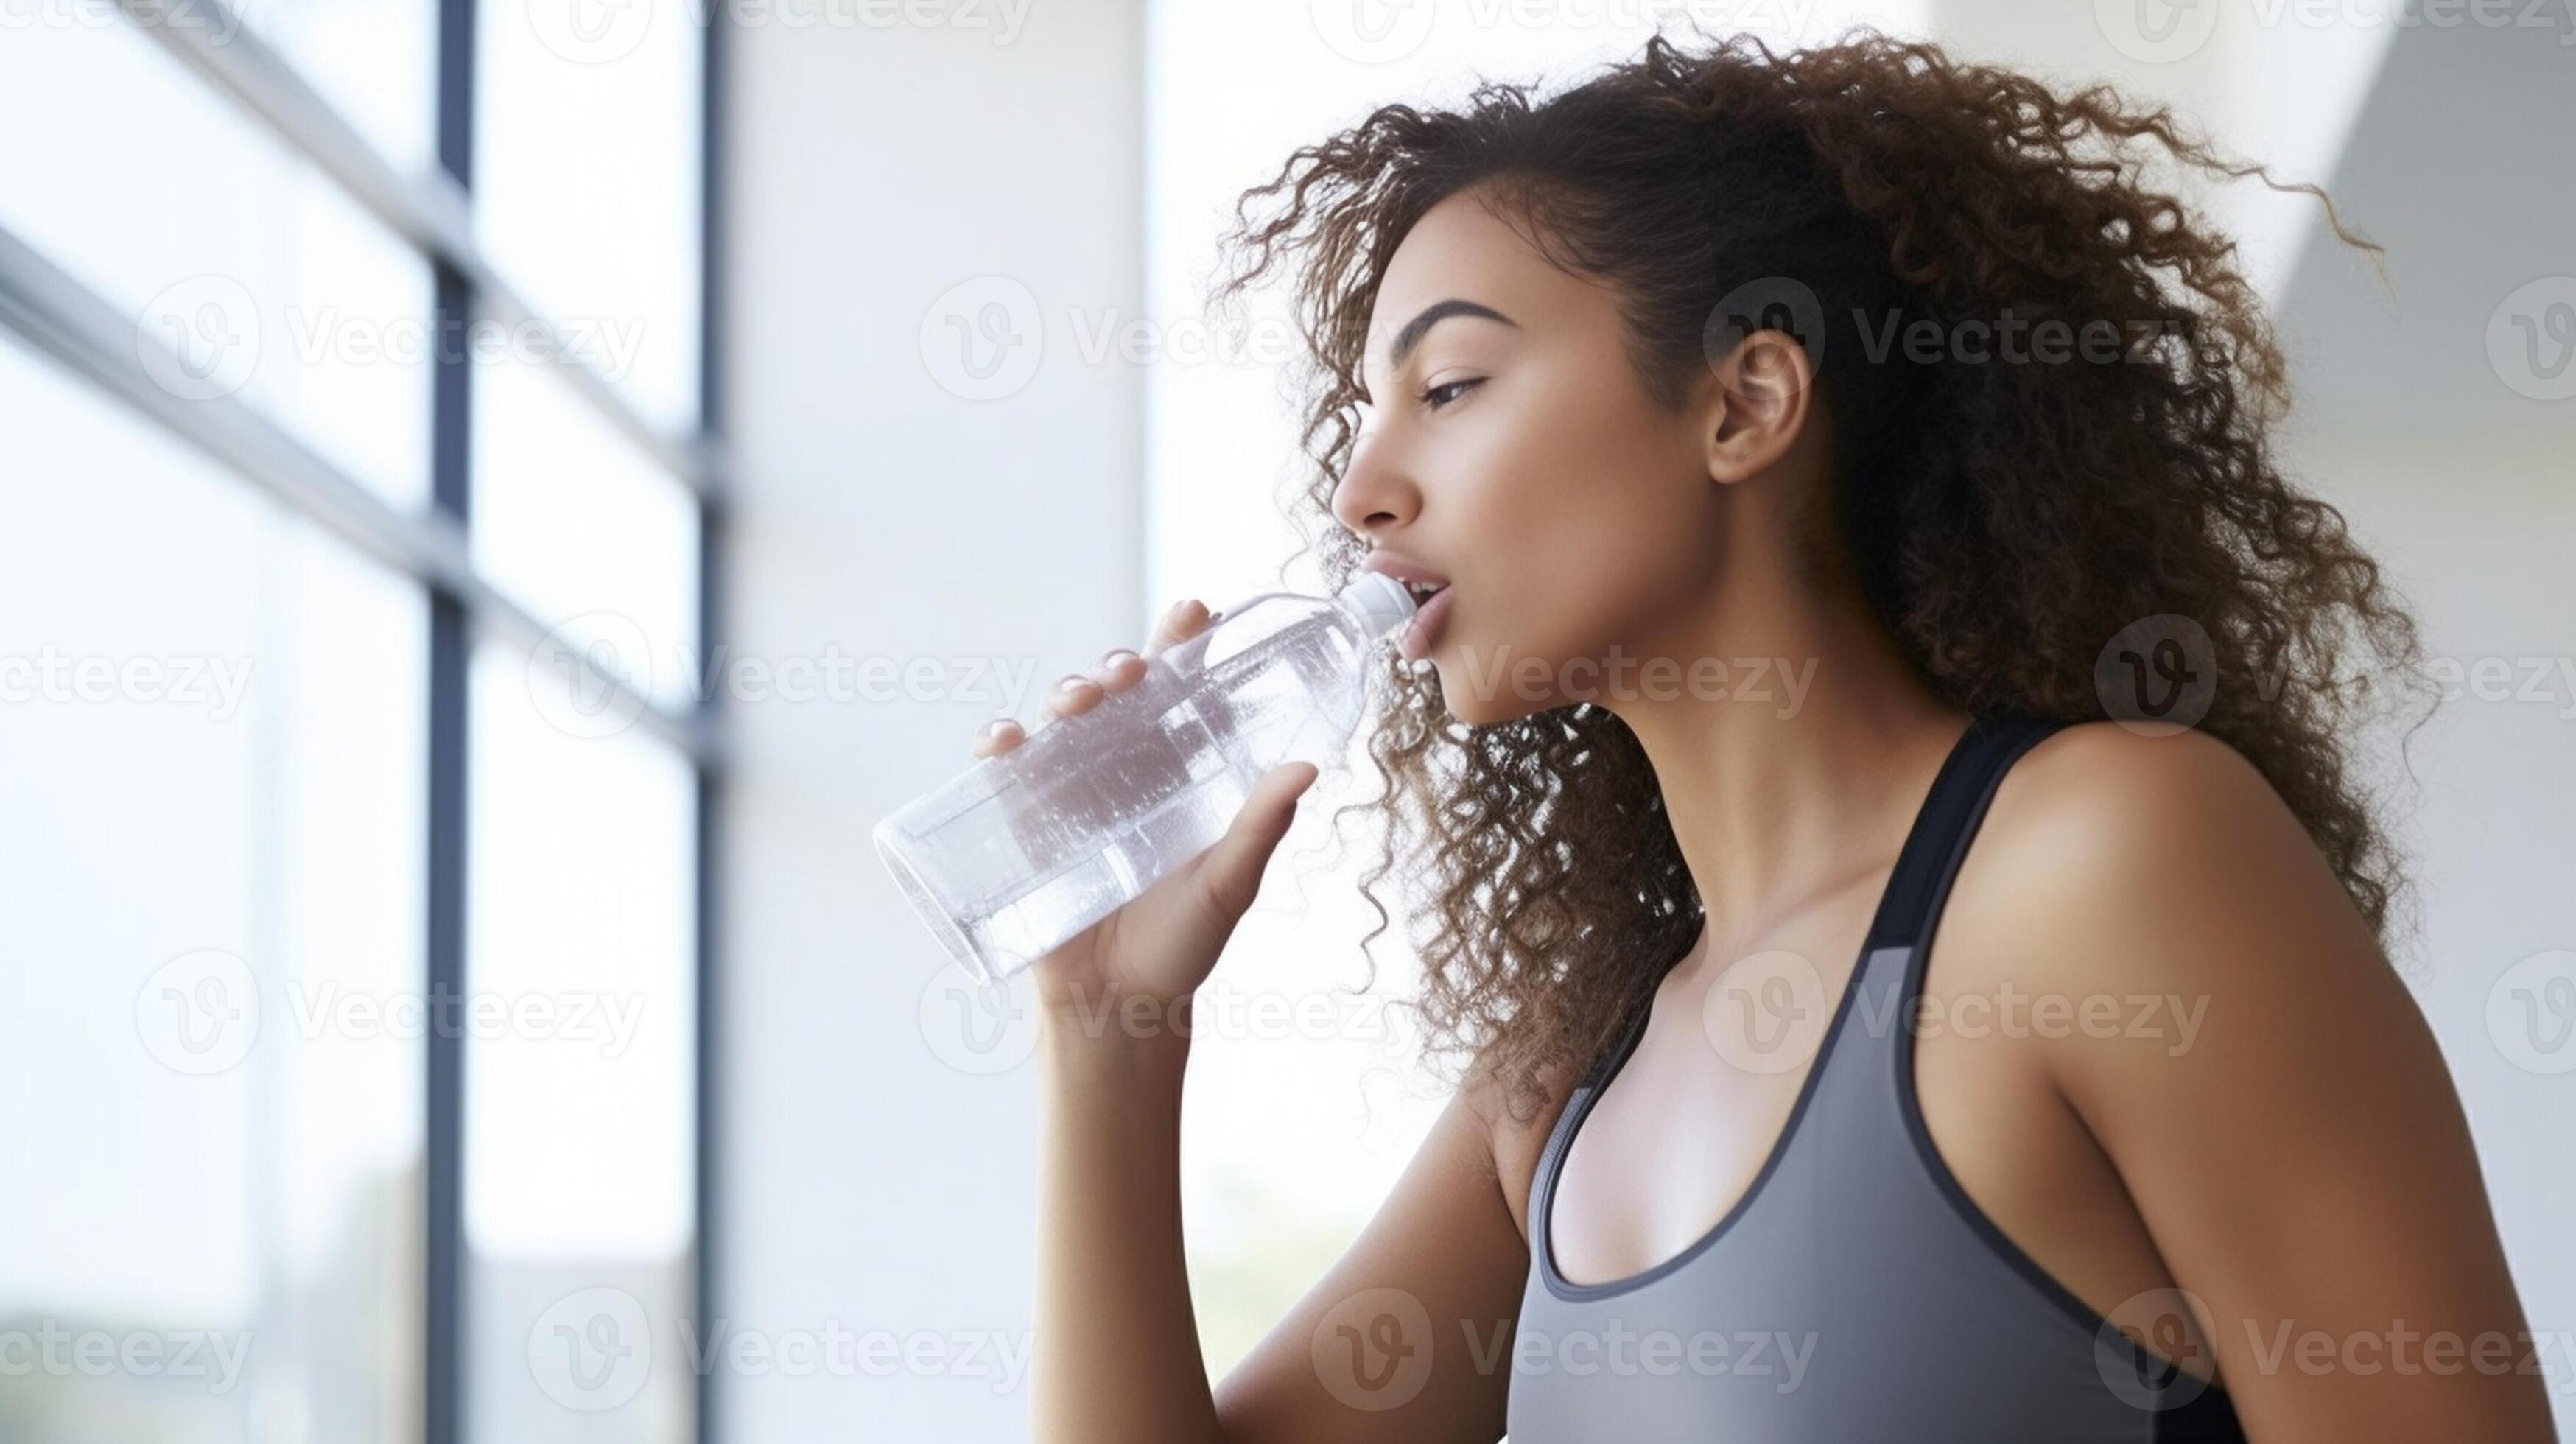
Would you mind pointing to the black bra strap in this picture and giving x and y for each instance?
(1946, 823)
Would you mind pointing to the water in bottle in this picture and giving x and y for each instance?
(1024, 850)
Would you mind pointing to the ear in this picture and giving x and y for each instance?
(1754, 405)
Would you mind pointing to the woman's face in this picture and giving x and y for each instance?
(1509, 448)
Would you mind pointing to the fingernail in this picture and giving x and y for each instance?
(1115, 657)
(1071, 681)
(995, 727)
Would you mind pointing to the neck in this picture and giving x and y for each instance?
(1806, 770)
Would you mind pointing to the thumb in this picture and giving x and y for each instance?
(1230, 874)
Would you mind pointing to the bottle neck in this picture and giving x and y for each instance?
(1376, 604)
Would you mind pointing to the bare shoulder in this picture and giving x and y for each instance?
(2241, 999)
(2162, 878)
(2120, 858)
(2261, 1080)
(2133, 807)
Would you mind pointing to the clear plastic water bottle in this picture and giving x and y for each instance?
(1025, 849)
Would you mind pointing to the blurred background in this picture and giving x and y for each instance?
(500, 495)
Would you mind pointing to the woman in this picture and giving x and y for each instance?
(1831, 460)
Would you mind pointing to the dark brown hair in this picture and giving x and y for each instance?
(2004, 521)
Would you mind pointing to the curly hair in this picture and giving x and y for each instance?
(2004, 521)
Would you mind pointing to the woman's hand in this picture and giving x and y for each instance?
(1161, 944)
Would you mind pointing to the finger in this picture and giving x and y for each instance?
(998, 736)
(1230, 872)
(1182, 622)
(1074, 694)
(1120, 668)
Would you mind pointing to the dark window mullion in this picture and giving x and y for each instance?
(711, 531)
(444, 1259)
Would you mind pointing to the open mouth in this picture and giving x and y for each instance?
(1430, 612)
(1431, 601)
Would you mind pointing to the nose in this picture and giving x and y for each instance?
(1374, 493)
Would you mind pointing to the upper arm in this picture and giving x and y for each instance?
(2299, 1155)
(1408, 1336)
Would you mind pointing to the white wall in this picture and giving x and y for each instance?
(2453, 464)
(866, 1184)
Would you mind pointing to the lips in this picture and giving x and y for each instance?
(1423, 632)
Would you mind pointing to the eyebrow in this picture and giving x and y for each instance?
(1432, 315)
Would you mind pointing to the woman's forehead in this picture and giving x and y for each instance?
(1460, 251)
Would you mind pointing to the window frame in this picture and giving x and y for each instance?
(59, 317)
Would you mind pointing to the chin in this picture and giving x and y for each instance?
(1499, 703)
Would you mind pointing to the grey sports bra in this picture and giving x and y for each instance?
(1854, 1293)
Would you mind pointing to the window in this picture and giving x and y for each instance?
(358, 477)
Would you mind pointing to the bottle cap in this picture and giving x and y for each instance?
(1380, 601)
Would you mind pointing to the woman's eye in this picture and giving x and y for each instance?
(1448, 392)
